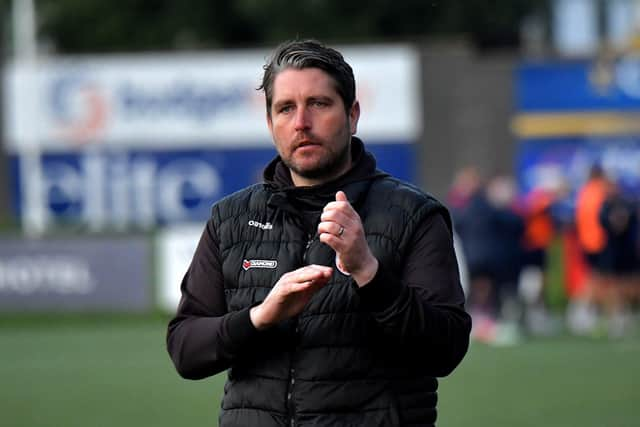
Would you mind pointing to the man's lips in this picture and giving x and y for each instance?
(303, 144)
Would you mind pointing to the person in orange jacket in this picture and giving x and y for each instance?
(592, 239)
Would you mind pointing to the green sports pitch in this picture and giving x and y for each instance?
(93, 371)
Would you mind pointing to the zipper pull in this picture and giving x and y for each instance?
(310, 239)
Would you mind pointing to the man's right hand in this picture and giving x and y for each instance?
(289, 295)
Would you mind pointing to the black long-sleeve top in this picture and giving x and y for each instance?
(424, 305)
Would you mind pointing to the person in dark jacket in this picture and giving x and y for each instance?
(330, 292)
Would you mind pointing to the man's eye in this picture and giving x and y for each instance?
(285, 109)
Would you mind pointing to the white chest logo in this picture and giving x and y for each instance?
(259, 263)
(267, 226)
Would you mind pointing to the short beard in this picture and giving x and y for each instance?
(327, 169)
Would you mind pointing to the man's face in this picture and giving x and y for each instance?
(309, 125)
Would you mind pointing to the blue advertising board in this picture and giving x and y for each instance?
(540, 162)
(157, 187)
(579, 85)
(572, 115)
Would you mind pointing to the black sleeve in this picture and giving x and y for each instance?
(203, 338)
(424, 308)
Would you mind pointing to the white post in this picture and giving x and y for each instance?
(621, 23)
(34, 216)
(637, 18)
(575, 27)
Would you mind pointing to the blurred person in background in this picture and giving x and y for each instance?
(491, 233)
(466, 183)
(472, 221)
(508, 234)
(582, 316)
(620, 260)
(539, 233)
(329, 292)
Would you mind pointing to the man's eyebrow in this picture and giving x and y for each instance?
(320, 98)
(282, 102)
(287, 101)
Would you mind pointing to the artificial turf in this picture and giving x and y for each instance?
(89, 371)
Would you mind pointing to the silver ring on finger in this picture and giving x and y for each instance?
(341, 231)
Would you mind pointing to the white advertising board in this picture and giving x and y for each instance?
(172, 100)
(175, 247)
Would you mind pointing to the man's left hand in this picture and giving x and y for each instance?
(341, 228)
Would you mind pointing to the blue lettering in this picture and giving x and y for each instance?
(182, 100)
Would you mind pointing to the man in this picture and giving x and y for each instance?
(329, 292)
(582, 313)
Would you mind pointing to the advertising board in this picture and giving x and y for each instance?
(145, 188)
(146, 140)
(75, 274)
(572, 115)
(173, 101)
(175, 246)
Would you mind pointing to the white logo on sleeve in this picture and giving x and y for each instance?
(259, 263)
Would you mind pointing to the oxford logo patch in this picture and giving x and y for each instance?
(258, 263)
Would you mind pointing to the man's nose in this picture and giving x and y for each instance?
(302, 119)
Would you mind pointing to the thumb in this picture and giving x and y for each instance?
(341, 197)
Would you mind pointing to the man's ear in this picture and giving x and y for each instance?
(354, 115)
